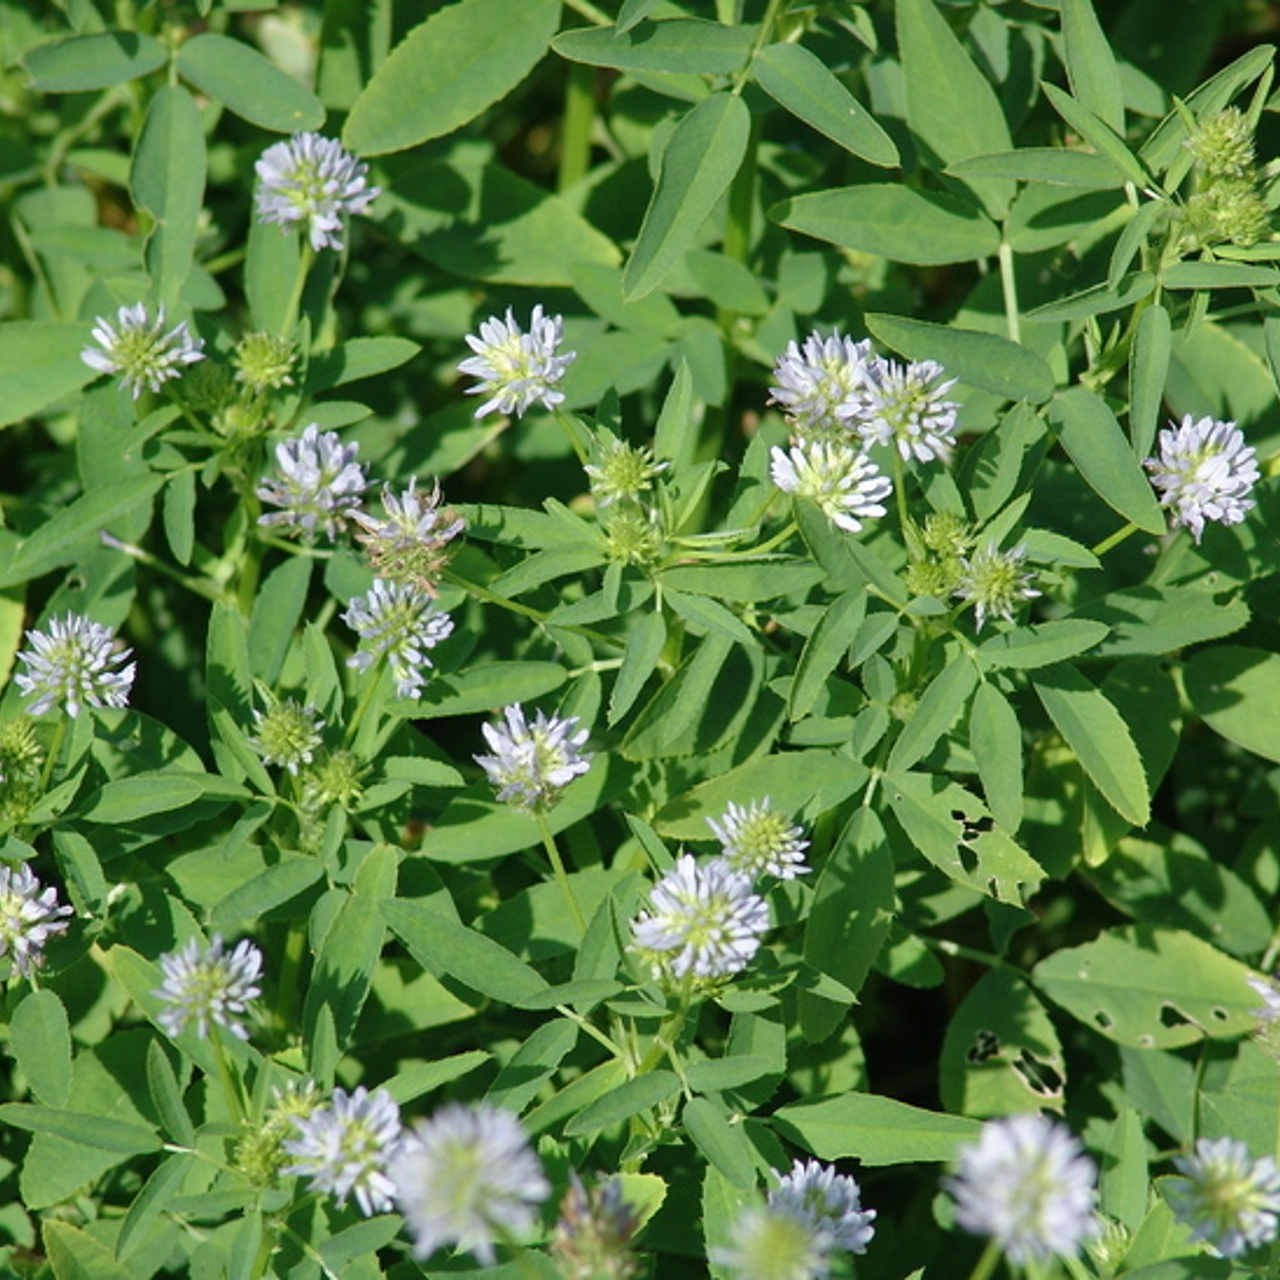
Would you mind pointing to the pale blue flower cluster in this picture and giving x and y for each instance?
(74, 663)
(517, 369)
(1204, 471)
(1227, 1198)
(29, 917)
(318, 484)
(311, 179)
(208, 986)
(400, 622)
(139, 348)
(532, 763)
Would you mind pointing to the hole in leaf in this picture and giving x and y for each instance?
(1170, 1016)
(971, 829)
(1103, 1019)
(1219, 1013)
(1039, 1076)
(986, 1044)
(968, 859)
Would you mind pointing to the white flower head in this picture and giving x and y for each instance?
(996, 582)
(517, 369)
(399, 621)
(770, 1245)
(139, 349)
(209, 985)
(318, 484)
(29, 917)
(344, 1148)
(846, 485)
(312, 179)
(409, 543)
(1270, 993)
(74, 663)
(820, 385)
(467, 1177)
(756, 839)
(593, 1234)
(287, 734)
(1227, 1198)
(906, 406)
(702, 921)
(827, 1202)
(1027, 1183)
(1205, 471)
(532, 763)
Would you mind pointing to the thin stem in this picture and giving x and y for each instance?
(1009, 286)
(295, 948)
(562, 878)
(230, 1086)
(900, 496)
(987, 1263)
(205, 588)
(55, 750)
(373, 677)
(591, 13)
(585, 1024)
(306, 258)
(1115, 539)
(776, 541)
(575, 132)
(569, 426)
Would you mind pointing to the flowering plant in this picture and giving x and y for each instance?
(637, 640)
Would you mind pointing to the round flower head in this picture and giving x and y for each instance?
(621, 472)
(319, 484)
(409, 544)
(74, 663)
(845, 483)
(467, 1177)
(287, 734)
(1225, 1197)
(532, 763)
(1027, 1183)
(264, 362)
(770, 1245)
(1205, 471)
(313, 180)
(755, 839)
(517, 369)
(702, 921)
(207, 985)
(905, 406)
(1270, 1011)
(400, 621)
(344, 1148)
(996, 582)
(827, 1202)
(29, 917)
(139, 349)
(820, 385)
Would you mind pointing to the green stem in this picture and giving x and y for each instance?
(900, 496)
(776, 541)
(230, 1086)
(586, 1025)
(1115, 539)
(570, 427)
(987, 1263)
(205, 588)
(266, 1247)
(55, 750)
(373, 675)
(575, 132)
(1009, 286)
(306, 258)
(664, 1041)
(591, 13)
(295, 948)
(562, 878)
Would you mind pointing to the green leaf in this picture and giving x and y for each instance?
(710, 616)
(358, 358)
(763, 579)
(675, 436)
(102, 60)
(941, 818)
(1158, 620)
(1095, 731)
(873, 1129)
(826, 646)
(951, 107)
(1218, 275)
(68, 535)
(85, 1128)
(1040, 644)
(40, 1040)
(938, 709)
(725, 1145)
(1235, 689)
(639, 660)
(1100, 136)
(272, 263)
(1093, 439)
(853, 907)
(39, 364)
(151, 1201)
(249, 84)
(983, 360)
(161, 791)
(1055, 166)
(278, 883)
(180, 515)
(447, 70)
(621, 1103)
(1001, 1054)
(1148, 372)
(444, 946)
(276, 614)
(920, 228)
(799, 81)
(76, 1255)
(995, 738)
(678, 45)
(1150, 988)
(167, 1096)
(488, 686)
(1091, 66)
(701, 157)
(167, 178)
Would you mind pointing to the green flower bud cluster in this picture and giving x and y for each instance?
(1227, 206)
(622, 477)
